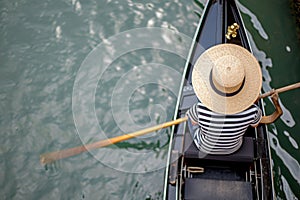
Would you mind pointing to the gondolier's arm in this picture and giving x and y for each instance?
(277, 113)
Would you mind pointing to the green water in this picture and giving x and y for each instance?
(68, 77)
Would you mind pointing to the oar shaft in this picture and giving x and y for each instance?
(50, 157)
(283, 89)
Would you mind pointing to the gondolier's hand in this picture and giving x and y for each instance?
(192, 115)
(192, 121)
(273, 91)
(275, 98)
(277, 113)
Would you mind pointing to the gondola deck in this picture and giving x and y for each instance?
(245, 174)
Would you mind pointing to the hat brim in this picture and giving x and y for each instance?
(220, 103)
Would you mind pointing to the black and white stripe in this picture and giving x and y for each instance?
(219, 133)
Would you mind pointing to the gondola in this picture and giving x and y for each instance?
(245, 174)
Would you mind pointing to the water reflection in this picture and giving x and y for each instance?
(116, 72)
(290, 162)
(42, 48)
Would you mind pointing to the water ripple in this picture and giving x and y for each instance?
(266, 62)
(256, 23)
(293, 164)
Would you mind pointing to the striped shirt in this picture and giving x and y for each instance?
(219, 133)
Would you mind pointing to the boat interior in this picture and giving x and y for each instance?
(195, 175)
(213, 176)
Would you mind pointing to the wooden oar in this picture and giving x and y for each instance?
(50, 157)
(279, 90)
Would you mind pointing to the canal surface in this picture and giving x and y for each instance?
(74, 72)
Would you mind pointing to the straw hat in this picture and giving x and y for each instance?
(227, 78)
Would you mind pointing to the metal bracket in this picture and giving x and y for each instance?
(191, 169)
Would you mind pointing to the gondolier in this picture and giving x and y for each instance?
(227, 80)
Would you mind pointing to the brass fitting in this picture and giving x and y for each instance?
(232, 31)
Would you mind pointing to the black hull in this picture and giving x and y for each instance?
(245, 174)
